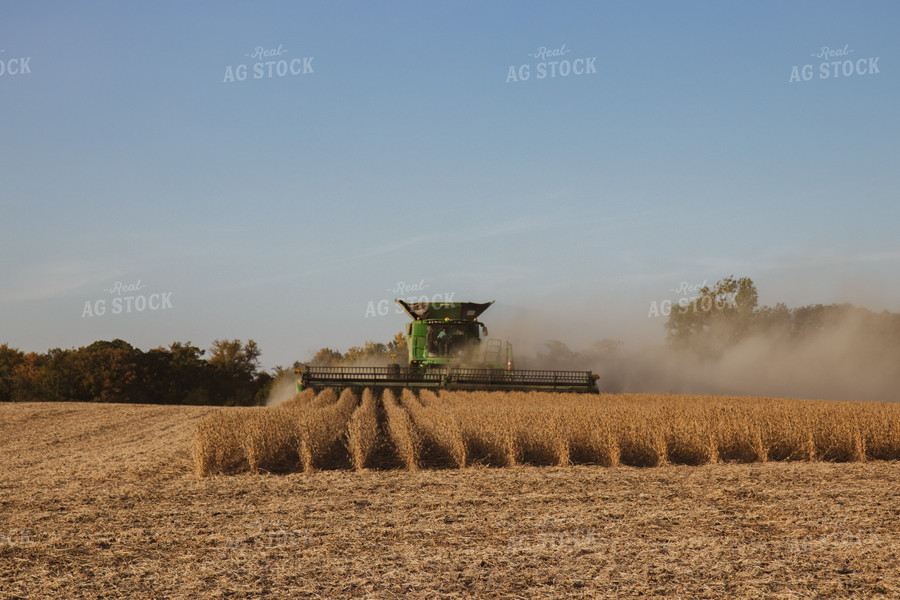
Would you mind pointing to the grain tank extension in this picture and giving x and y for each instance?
(447, 351)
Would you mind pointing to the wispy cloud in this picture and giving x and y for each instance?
(790, 259)
(53, 279)
(325, 265)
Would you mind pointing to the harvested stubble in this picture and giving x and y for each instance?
(505, 429)
(735, 531)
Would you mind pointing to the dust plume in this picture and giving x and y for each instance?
(284, 388)
(841, 353)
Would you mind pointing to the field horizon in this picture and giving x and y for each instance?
(104, 501)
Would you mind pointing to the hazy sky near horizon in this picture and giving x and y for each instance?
(281, 170)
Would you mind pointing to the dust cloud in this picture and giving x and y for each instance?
(854, 354)
(284, 388)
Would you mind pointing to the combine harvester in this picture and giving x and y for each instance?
(446, 352)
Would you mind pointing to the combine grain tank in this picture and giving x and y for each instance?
(446, 351)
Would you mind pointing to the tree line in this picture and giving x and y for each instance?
(727, 314)
(116, 371)
(718, 318)
(370, 352)
(229, 374)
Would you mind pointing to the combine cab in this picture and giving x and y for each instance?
(446, 351)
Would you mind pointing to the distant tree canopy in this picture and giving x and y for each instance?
(727, 314)
(370, 352)
(228, 374)
(326, 357)
(117, 372)
(720, 317)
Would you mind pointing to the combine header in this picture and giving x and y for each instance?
(446, 351)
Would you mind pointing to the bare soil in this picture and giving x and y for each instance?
(101, 501)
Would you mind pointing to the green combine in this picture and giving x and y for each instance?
(446, 351)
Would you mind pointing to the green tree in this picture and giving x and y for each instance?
(59, 378)
(719, 317)
(10, 359)
(24, 377)
(109, 372)
(177, 375)
(235, 371)
(774, 322)
(370, 351)
(398, 348)
(233, 358)
(326, 357)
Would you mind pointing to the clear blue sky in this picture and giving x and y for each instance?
(278, 208)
